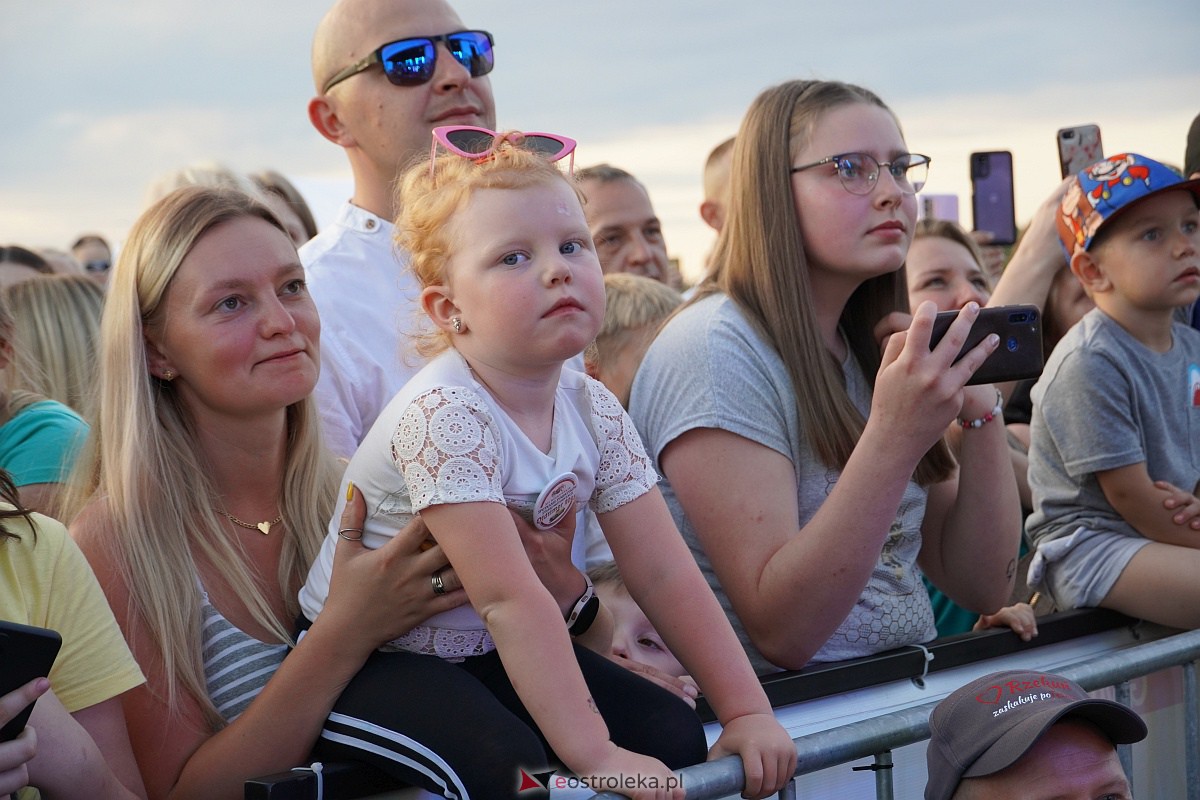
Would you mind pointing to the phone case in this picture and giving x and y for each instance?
(1019, 355)
(26, 653)
(992, 195)
(1078, 147)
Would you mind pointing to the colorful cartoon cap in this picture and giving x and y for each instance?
(1110, 186)
(991, 722)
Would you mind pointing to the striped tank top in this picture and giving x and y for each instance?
(236, 665)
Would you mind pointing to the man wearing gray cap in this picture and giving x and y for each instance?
(1021, 735)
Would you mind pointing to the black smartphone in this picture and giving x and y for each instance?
(1078, 146)
(26, 653)
(1019, 355)
(992, 203)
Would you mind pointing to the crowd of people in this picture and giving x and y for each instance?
(474, 436)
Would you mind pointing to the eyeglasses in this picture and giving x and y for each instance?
(97, 266)
(860, 172)
(477, 144)
(411, 62)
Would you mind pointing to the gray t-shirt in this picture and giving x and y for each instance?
(1105, 401)
(710, 368)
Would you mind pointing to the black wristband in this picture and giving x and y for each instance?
(584, 612)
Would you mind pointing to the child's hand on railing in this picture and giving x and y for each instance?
(1019, 617)
(768, 752)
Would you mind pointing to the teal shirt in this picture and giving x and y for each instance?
(950, 617)
(40, 444)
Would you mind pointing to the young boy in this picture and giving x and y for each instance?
(635, 307)
(634, 637)
(1115, 458)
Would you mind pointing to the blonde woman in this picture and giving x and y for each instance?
(55, 324)
(39, 437)
(203, 497)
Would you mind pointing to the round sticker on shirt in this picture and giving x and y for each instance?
(555, 501)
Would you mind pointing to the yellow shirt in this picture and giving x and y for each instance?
(47, 582)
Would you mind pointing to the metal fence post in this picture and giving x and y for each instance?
(1191, 731)
(883, 775)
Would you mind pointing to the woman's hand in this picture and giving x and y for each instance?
(382, 594)
(15, 755)
(549, 552)
(918, 391)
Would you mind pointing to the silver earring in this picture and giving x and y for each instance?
(457, 323)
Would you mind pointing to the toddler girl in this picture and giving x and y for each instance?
(512, 285)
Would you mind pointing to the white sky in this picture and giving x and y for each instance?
(103, 97)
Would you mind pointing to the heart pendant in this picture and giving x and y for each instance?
(265, 527)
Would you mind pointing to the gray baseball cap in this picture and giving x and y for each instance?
(991, 722)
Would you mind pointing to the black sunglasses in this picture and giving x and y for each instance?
(411, 62)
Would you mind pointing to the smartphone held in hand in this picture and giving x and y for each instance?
(1078, 147)
(26, 653)
(1019, 355)
(992, 203)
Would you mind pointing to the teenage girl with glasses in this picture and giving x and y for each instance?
(512, 284)
(802, 446)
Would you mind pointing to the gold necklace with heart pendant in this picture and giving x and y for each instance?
(263, 527)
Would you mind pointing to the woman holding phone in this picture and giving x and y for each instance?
(74, 744)
(805, 468)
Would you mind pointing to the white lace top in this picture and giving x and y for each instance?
(443, 439)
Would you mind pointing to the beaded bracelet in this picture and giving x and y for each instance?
(967, 424)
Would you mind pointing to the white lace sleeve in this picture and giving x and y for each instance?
(625, 471)
(446, 447)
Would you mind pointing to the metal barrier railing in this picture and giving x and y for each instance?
(878, 736)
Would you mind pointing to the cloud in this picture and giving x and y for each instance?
(108, 95)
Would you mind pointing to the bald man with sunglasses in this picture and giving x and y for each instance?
(387, 72)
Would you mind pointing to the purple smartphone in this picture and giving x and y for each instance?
(992, 195)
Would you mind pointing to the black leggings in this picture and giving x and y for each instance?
(459, 730)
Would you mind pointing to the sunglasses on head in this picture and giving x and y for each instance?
(411, 62)
(477, 144)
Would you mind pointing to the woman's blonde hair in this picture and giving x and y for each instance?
(932, 227)
(428, 196)
(53, 324)
(760, 262)
(144, 467)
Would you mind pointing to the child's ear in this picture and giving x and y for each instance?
(439, 305)
(1086, 268)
